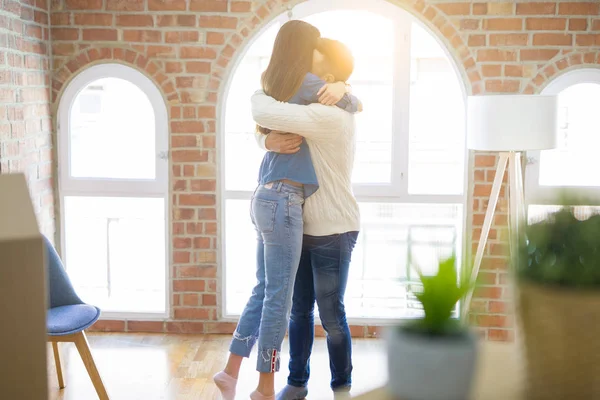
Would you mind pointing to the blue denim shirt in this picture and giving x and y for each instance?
(298, 167)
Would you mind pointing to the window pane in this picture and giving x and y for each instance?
(372, 83)
(240, 242)
(437, 126)
(112, 132)
(575, 162)
(115, 251)
(373, 150)
(392, 236)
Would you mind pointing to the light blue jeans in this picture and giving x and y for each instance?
(277, 216)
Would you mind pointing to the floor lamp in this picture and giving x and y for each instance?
(508, 125)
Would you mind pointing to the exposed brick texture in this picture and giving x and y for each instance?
(187, 48)
(25, 122)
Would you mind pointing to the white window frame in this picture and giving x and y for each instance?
(394, 192)
(547, 195)
(113, 187)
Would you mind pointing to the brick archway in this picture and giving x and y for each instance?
(97, 55)
(430, 15)
(560, 65)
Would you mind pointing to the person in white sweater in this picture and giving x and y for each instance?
(331, 225)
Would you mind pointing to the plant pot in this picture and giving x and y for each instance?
(430, 368)
(560, 330)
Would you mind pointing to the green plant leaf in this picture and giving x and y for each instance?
(439, 296)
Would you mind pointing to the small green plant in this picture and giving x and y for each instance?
(439, 295)
(562, 250)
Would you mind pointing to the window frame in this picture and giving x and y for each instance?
(69, 186)
(112, 186)
(536, 194)
(394, 192)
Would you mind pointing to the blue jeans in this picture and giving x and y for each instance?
(277, 216)
(322, 276)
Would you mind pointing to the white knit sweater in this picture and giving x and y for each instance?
(330, 134)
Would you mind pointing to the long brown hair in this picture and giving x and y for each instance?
(291, 59)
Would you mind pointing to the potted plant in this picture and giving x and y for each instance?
(558, 305)
(433, 357)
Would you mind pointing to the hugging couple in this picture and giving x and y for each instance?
(305, 214)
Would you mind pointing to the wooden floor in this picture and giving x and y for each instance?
(180, 367)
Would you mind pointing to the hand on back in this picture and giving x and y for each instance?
(283, 142)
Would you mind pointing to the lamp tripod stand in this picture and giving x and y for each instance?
(512, 160)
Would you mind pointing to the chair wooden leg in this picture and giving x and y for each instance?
(84, 351)
(61, 382)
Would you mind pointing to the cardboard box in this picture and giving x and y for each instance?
(23, 295)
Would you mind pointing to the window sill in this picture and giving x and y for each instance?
(132, 316)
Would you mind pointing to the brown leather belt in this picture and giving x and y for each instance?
(293, 183)
(287, 182)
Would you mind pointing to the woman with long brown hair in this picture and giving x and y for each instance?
(285, 181)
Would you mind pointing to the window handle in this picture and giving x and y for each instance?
(531, 161)
(163, 155)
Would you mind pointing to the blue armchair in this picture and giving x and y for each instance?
(67, 319)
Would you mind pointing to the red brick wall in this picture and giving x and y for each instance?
(187, 47)
(25, 127)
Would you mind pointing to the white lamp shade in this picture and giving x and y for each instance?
(512, 122)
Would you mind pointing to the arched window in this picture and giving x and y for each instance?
(410, 158)
(113, 171)
(574, 165)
